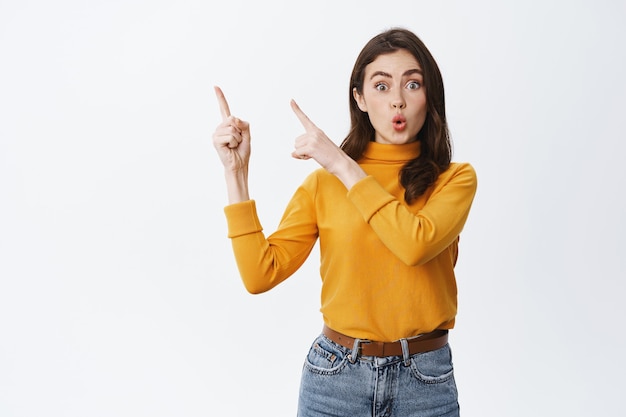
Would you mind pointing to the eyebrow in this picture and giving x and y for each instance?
(387, 75)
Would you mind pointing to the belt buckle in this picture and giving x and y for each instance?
(358, 347)
(363, 342)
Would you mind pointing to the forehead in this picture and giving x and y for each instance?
(397, 62)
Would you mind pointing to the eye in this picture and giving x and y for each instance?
(413, 85)
(381, 86)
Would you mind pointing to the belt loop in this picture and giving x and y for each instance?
(405, 352)
(356, 348)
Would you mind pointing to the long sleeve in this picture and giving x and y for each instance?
(415, 238)
(266, 262)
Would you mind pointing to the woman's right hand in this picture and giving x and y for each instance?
(231, 138)
(232, 141)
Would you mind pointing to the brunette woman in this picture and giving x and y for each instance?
(388, 206)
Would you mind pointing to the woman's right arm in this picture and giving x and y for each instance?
(263, 262)
(232, 142)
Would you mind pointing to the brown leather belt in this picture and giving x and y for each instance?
(423, 343)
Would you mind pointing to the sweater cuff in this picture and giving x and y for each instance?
(369, 196)
(242, 219)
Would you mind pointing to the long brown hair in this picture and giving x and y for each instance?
(436, 150)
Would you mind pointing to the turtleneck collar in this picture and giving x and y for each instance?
(391, 153)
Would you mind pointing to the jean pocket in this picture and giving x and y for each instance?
(325, 357)
(433, 367)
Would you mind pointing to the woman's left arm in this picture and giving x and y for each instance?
(418, 237)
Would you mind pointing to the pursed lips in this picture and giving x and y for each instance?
(399, 122)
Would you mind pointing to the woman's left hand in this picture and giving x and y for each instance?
(315, 144)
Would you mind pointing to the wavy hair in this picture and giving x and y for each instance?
(436, 149)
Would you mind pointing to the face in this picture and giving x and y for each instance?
(394, 97)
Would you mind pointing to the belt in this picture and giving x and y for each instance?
(422, 343)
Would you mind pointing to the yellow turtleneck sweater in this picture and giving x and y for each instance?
(387, 268)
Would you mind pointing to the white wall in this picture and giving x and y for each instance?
(118, 291)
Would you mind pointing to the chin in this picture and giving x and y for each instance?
(404, 140)
(397, 138)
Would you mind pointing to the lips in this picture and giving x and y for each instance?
(399, 122)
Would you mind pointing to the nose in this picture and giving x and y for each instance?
(397, 102)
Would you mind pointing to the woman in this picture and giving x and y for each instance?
(388, 207)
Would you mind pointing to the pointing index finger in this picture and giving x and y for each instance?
(304, 119)
(221, 99)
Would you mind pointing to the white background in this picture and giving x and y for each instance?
(119, 295)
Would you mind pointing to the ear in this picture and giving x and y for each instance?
(360, 101)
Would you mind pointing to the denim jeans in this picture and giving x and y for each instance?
(336, 383)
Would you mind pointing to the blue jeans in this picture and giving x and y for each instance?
(336, 383)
